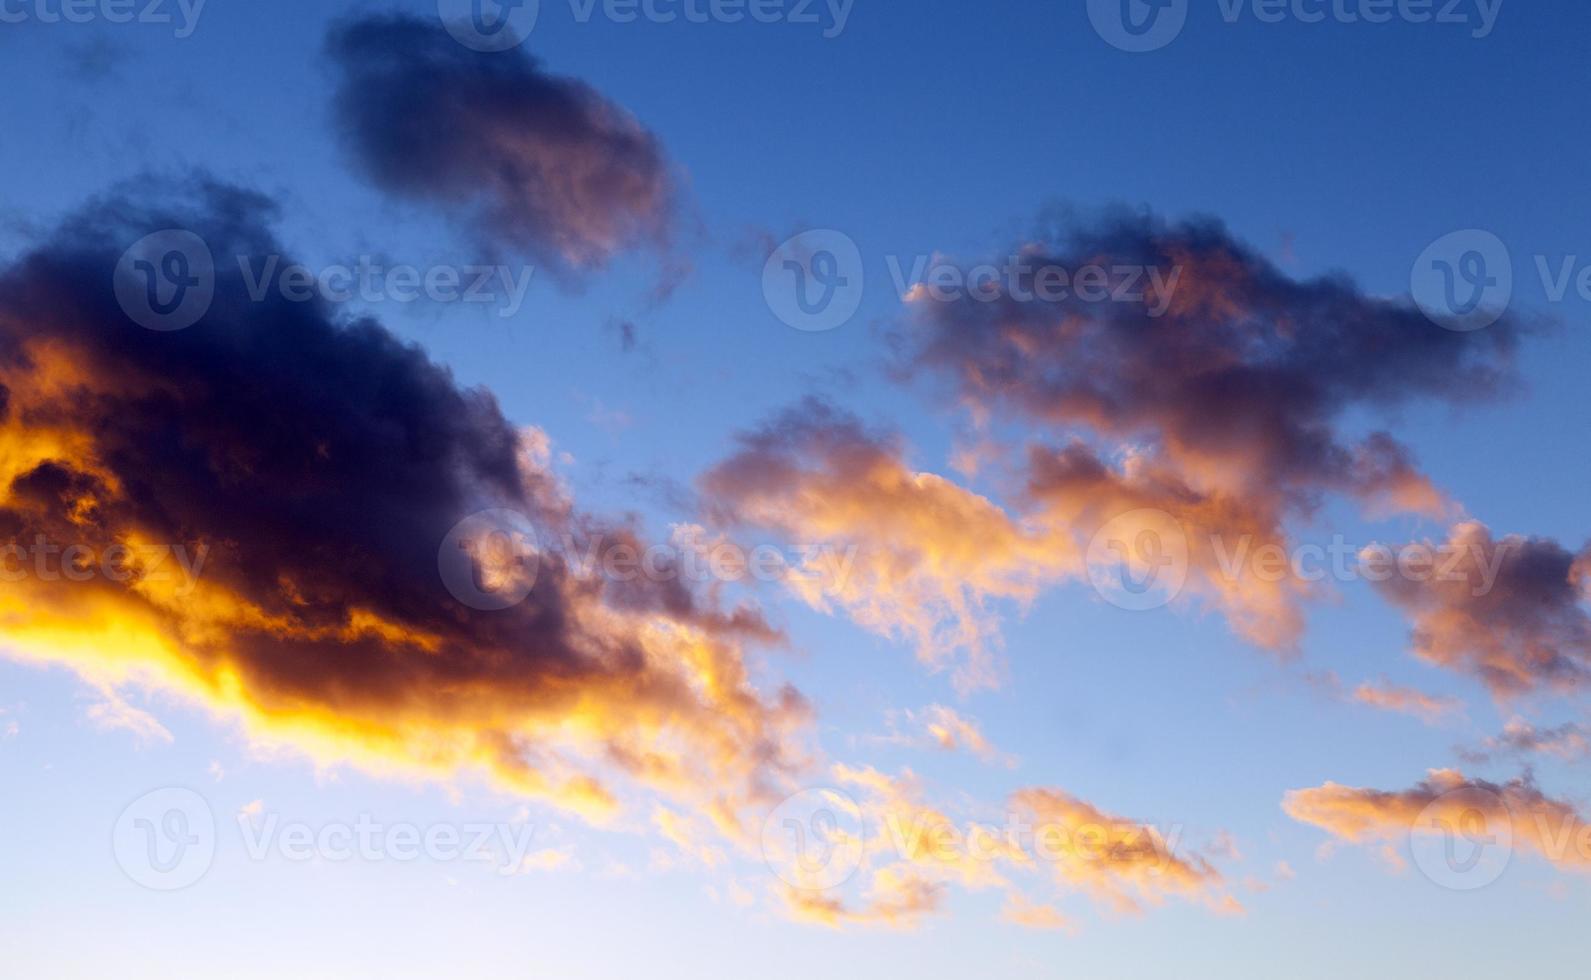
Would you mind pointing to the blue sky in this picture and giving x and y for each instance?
(922, 128)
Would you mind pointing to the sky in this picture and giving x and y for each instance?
(957, 370)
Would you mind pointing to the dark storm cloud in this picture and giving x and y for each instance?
(320, 464)
(1234, 373)
(536, 163)
(1510, 612)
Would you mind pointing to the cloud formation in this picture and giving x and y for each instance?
(1238, 386)
(1121, 862)
(927, 557)
(1049, 842)
(322, 463)
(1387, 696)
(1206, 404)
(1198, 380)
(1569, 742)
(1509, 612)
(930, 562)
(1516, 810)
(536, 163)
(1406, 700)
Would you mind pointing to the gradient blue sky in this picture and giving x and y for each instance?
(924, 126)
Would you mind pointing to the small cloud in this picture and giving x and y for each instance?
(741, 895)
(549, 860)
(941, 728)
(1031, 915)
(1406, 700)
(1569, 742)
(113, 713)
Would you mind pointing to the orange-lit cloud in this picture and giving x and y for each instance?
(1569, 742)
(1406, 700)
(319, 466)
(1447, 799)
(1508, 611)
(1032, 915)
(1119, 861)
(924, 559)
(913, 853)
(943, 729)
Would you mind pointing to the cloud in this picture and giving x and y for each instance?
(1201, 382)
(1119, 861)
(942, 729)
(113, 713)
(904, 553)
(897, 897)
(1216, 538)
(1406, 700)
(925, 560)
(1238, 386)
(1569, 742)
(1508, 612)
(536, 163)
(1030, 915)
(1516, 810)
(951, 732)
(323, 463)
(549, 860)
(914, 853)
